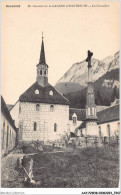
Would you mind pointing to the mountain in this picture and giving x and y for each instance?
(108, 59)
(103, 95)
(78, 73)
(68, 87)
(115, 63)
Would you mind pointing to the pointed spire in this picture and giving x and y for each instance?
(42, 54)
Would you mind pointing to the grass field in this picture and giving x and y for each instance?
(80, 168)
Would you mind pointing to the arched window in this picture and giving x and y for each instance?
(35, 126)
(44, 72)
(108, 130)
(100, 134)
(51, 108)
(40, 72)
(19, 109)
(55, 127)
(37, 107)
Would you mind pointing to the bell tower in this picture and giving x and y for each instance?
(42, 68)
(91, 114)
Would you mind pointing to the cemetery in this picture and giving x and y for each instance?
(52, 167)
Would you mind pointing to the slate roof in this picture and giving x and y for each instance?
(43, 97)
(83, 125)
(108, 115)
(81, 113)
(42, 54)
(105, 116)
(6, 113)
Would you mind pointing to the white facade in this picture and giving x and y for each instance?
(74, 123)
(73, 126)
(40, 121)
(8, 135)
(108, 129)
(91, 128)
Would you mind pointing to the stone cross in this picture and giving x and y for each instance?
(90, 54)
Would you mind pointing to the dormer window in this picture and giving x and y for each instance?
(51, 92)
(74, 118)
(37, 107)
(36, 91)
(51, 108)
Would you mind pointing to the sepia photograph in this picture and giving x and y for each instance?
(60, 68)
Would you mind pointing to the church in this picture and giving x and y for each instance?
(41, 113)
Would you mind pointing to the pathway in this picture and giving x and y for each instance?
(9, 176)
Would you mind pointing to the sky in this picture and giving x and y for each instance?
(68, 33)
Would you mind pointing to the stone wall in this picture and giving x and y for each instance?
(110, 129)
(8, 136)
(50, 122)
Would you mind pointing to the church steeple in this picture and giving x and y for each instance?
(42, 68)
(42, 53)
